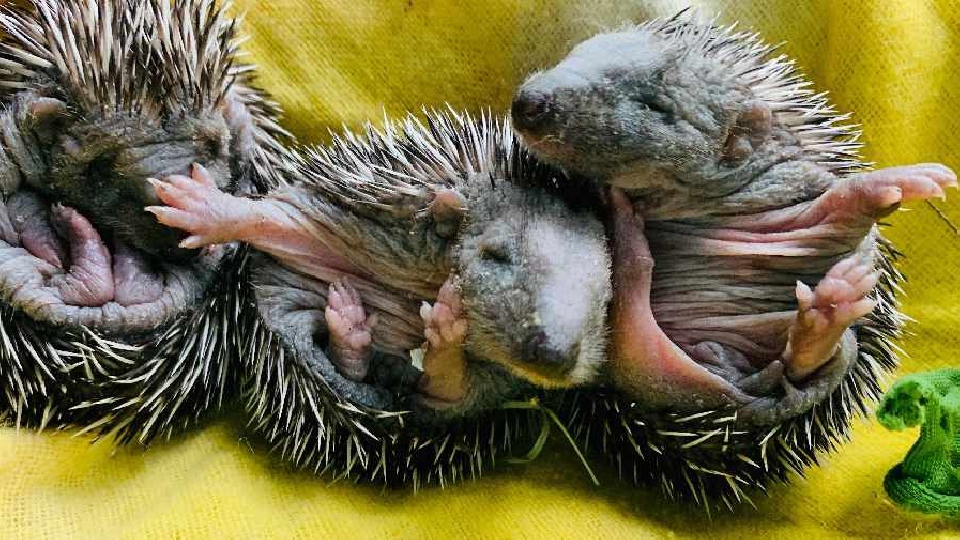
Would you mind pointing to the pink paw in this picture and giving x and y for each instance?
(826, 312)
(879, 192)
(89, 281)
(196, 205)
(444, 381)
(350, 331)
(444, 325)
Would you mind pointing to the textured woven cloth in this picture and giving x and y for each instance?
(893, 62)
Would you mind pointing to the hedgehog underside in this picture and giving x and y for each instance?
(291, 306)
(319, 420)
(132, 385)
(712, 457)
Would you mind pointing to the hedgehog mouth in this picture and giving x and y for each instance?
(547, 146)
(57, 268)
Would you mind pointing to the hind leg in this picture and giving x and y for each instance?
(826, 312)
(350, 348)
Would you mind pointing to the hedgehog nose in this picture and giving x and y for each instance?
(544, 357)
(530, 110)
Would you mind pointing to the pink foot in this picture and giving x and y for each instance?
(826, 312)
(877, 193)
(444, 365)
(133, 279)
(350, 347)
(196, 205)
(30, 219)
(89, 282)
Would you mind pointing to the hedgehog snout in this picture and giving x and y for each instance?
(548, 359)
(531, 109)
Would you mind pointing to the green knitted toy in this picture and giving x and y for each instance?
(928, 479)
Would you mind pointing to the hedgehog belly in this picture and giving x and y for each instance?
(318, 420)
(737, 294)
(742, 295)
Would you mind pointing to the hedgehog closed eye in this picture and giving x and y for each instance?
(495, 252)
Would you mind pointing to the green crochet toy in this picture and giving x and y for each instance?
(928, 479)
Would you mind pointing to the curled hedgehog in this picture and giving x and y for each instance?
(104, 319)
(754, 298)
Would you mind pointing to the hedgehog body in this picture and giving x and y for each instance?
(753, 204)
(103, 314)
(397, 212)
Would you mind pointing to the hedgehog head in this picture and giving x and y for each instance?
(680, 105)
(535, 281)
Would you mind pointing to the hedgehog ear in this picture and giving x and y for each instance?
(447, 211)
(756, 120)
(44, 116)
(751, 129)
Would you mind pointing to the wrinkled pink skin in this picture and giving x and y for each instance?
(210, 216)
(82, 271)
(645, 358)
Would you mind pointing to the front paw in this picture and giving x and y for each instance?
(444, 324)
(877, 193)
(444, 380)
(196, 205)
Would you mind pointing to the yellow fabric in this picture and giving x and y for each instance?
(893, 62)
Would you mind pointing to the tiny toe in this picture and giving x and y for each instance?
(867, 283)
(181, 182)
(441, 314)
(354, 313)
(857, 271)
(828, 290)
(805, 296)
(335, 322)
(928, 188)
(842, 267)
(193, 242)
(433, 337)
(201, 174)
(334, 299)
(351, 292)
(426, 313)
(862, 308)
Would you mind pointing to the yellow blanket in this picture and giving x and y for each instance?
(893, 62)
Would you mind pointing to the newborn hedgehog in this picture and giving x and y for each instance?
(378, 227)
(747, 320)
(99, 96)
